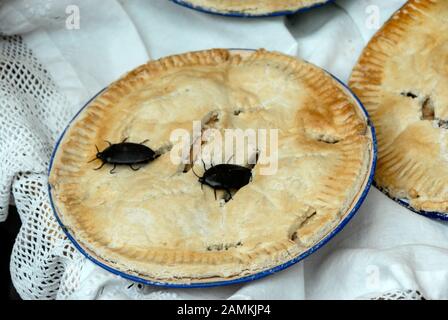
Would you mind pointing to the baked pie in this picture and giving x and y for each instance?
(402, 80)
(251, 7)
(158, 223)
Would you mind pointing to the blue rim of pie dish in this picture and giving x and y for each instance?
(244, 279)
(429, 214)
(187, 4)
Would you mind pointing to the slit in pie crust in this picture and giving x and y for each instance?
(402, 79)
(157, 223)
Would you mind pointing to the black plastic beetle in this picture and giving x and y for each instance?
(125, 153)
(226, 177)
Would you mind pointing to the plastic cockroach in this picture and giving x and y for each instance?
(125, 153)
(226, 177)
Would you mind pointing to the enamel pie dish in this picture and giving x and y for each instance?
(157, 225)
(251, 8)
(402, 79)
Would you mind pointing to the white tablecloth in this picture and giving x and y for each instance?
(386, 249)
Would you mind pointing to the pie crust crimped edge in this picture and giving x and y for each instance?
(207, 266)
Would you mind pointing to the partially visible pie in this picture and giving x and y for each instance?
(402, 79)
(253, 7)
(158, 223)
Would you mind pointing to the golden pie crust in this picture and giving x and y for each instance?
(402, 80)
(158, 223)
(253, 7)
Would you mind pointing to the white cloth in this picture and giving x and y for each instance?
(385, 250)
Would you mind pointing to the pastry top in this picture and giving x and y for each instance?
(253, 7)
(402, 80)
(158, 223)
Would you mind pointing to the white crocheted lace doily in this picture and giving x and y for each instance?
(400, 295)
(32, 116)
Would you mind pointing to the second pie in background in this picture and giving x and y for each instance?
(250, 8)
(402, 79)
